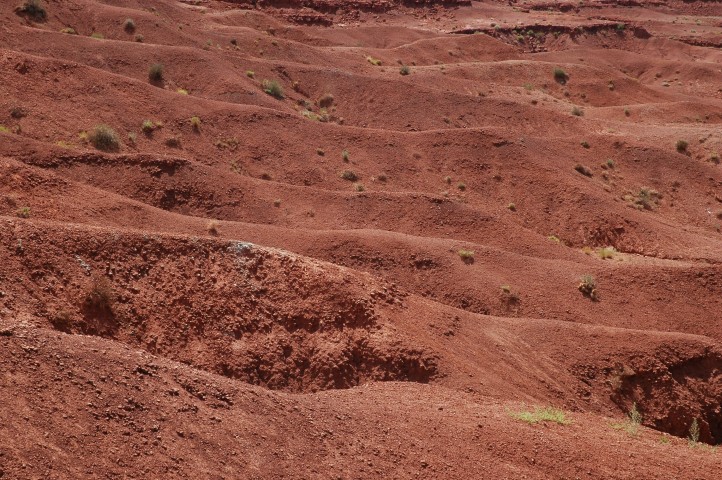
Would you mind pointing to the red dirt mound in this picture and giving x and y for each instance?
(369, 239)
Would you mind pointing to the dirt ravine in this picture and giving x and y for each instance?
(314, 239)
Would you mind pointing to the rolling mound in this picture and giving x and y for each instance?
(368, 239)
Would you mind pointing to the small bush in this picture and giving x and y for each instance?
(196, 123)
(33, 9)
(97, 36)
(461, 186)
(714, 158)
(139, 38)
(274, 89)
(606, 253)
(320, 152)
(545, 414)
(129, 25)
(560, 75)
(373, 61)
(359, 187)
(345, 155)
(155, 72)
(277, 202)
(647, 198)
(349, 175)
(512, 207)
(250, 74)
(101, 296)
(588, 287)
(694, 432)
(147, 127)
(212, 228)
(682, 146)
(577, 112)
(404, 70)
(584, 144)
(467, 256)
(24, 212)
(326, 101)
(173, 142)
(104, 138)
(68, 31)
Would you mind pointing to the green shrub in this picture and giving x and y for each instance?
(466, 254)
(560, 75)
(24, 212)
(104, 138)
(682, 146)
(196, 123)
(539, 414)
(373, 61)
(250, 73)
(405, 70)
(155, 72)
(147, 127)
(274, 89)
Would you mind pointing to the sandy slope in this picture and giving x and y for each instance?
(217, 301)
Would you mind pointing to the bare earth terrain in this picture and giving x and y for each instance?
(325, 239)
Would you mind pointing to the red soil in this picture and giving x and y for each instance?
(216, 301)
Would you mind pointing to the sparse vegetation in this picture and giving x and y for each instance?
(139, 38)
(97, 36)
(104, 138)
(212, 228)
(647, 198)
(560, 75)
(23, 212)
(682, 146)
(588, 287)
(33, 9)
(577, 112)
(632, 422)
(694, 432)
(359, 187)
(405, 70)
(196, 123)
(345, 156)
(606, 253)
(584, 144)
(147, 127)
(156, 72)
(274, 89)
(542, 414)
(182, 91)
(373, 61)
(68, 31)
(173, 142)
(250, 74)
(326, 100)
(461, 186)
(277, 202)
(129, 25)
(320, 152)
(714, 158)
(512, 207)
(467, 256)
(101, 296)
(349, 175)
